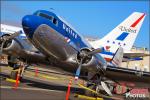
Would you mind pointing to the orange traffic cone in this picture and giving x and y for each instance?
(68, 91)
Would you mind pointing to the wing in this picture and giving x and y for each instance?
(124, 74)
(135, 55)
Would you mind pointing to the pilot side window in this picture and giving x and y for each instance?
(55, 21)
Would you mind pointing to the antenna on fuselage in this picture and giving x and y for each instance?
(52, 9)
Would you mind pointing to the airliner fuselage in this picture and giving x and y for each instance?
(56, 38)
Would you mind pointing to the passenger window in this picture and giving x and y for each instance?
(55, 21)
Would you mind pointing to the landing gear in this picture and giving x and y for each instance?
(90, 93)
(18, 70)
(91, 84)
(97, 85)
(14, 74)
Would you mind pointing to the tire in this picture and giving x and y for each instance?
(11, 64)
(89, 93)
(13, 74)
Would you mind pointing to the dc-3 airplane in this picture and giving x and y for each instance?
(57, 41)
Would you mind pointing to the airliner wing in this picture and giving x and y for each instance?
(134, 55)
(125, 74)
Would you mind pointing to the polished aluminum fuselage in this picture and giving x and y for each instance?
(54, 45)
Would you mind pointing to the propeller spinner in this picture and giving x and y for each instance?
(84, 56)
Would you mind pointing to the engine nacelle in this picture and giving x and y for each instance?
(89, 60)
(12, 46)
(15, 48)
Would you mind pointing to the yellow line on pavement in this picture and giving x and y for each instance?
(48, 77)
(87, 97)
(98, 94)
(11, 80)
(32, 89)
(40, 75)
(44, 76)
(84, 87)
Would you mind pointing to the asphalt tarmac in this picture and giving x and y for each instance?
(40, 87)
(44, 85)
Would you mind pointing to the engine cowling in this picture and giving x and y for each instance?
(11, 46)
(89, 60)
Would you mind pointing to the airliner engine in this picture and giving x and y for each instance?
(13, 47)
(88, 60)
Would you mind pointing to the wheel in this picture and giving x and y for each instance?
(13, 74)
(11, 64)
(90, 93)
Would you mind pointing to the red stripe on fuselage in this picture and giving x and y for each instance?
(137, 21)
(108, 59)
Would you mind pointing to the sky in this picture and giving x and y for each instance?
(90, 18)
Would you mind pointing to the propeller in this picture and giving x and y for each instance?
(106, 88)
(78, 70)
(95, 51)
(5, 38)
(84, 55)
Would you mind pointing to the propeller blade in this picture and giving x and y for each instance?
(105, 87)
(1, 49)
(13, 35)
(78, 71)
(98, 50)
(10, 37)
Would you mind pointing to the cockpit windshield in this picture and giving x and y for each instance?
(45, 16)
(51, 18)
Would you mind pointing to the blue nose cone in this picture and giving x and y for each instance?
(28, 25)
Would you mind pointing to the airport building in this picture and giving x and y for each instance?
(3, 59)
(143, 65)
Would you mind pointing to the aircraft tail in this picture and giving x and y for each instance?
(118, 57)
(123, 35)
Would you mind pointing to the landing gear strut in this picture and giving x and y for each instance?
(97, 83)
(91, 84)
(17, 70)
